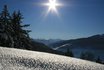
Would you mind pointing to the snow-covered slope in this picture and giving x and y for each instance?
(15, 59)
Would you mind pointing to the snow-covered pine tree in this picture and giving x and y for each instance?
(12, 31)
(21, 36)
(5, 27)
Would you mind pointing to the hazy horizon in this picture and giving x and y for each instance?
(68, 38)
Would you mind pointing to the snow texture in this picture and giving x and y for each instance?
(15, 59)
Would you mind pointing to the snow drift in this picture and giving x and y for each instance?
(15, 59)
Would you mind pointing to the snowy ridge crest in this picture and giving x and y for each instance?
(16, 59)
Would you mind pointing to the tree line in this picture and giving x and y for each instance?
(85, 55)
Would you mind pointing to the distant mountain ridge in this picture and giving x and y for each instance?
(96, 41)
(47, 42)
(93, 44)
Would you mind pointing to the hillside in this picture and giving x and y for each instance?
(96, 41)
(37, 46)
(93, 44)
(15, 59)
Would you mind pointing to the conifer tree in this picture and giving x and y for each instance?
(6, 27)
(87, 56)
(98, 60)
(69, 53)
(12, 31)
(21, 36)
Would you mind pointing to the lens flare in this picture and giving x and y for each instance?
(52, 4)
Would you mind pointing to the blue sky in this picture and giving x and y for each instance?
(77, 18)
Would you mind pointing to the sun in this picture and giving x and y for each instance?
(52, 4)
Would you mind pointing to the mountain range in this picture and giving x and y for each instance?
(47, 42)
(96, 41)
(94, 44)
